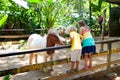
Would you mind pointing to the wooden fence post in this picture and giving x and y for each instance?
(109, 57)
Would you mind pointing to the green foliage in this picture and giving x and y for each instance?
(7, 77)
(22, 45)
(97, 7)
(50, 13)
(36, 1)
(33, 1)
(3, 20)
(97, 10)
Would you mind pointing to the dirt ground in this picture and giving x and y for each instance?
(15, 62)
(102, 75)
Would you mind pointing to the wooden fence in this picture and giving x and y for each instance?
(15, 34)
(62, 61)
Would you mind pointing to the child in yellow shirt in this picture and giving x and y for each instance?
(75, 40)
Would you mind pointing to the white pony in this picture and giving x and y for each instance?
(36, 41)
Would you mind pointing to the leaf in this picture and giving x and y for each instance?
(36, 1)
(50, 1)
(33, 1)
(95, 7)
(3, 20)
(7, 77)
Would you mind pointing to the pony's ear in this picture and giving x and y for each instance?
(45, 34)
(53, 31)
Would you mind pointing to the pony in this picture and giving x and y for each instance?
(36, 41)
(61, 31)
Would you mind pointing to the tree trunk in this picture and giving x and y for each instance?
(103, 28)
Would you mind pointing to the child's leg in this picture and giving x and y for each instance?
(78, 58)
(72, 65)
(73, 59)
(86, 59)
(90, 60)
(77, 65)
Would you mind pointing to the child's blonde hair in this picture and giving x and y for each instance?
(71, 28)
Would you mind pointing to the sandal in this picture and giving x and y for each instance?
(69, 71)
(84, 68)
(76, 70)
(89, 66)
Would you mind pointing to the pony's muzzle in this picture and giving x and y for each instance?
(65, 42)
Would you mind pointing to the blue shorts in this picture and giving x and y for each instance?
(89, 49)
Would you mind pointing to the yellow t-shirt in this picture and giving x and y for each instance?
(75, 42)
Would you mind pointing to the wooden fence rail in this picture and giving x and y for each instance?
(43, 65)
(10, 34)
(67, 60)
(51, 48)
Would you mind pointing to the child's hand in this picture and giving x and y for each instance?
(68, 41)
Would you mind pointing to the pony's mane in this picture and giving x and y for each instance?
(53, 31)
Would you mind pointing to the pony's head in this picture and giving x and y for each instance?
(55, 32)
(52, 39)
(61, 30)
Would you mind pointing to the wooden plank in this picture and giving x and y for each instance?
(15, 36)
(33, 67)
(114, 51)
(62, 76)
(13, 42)
(41, 66)
(5, 30)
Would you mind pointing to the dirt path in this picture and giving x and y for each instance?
(14, 62)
